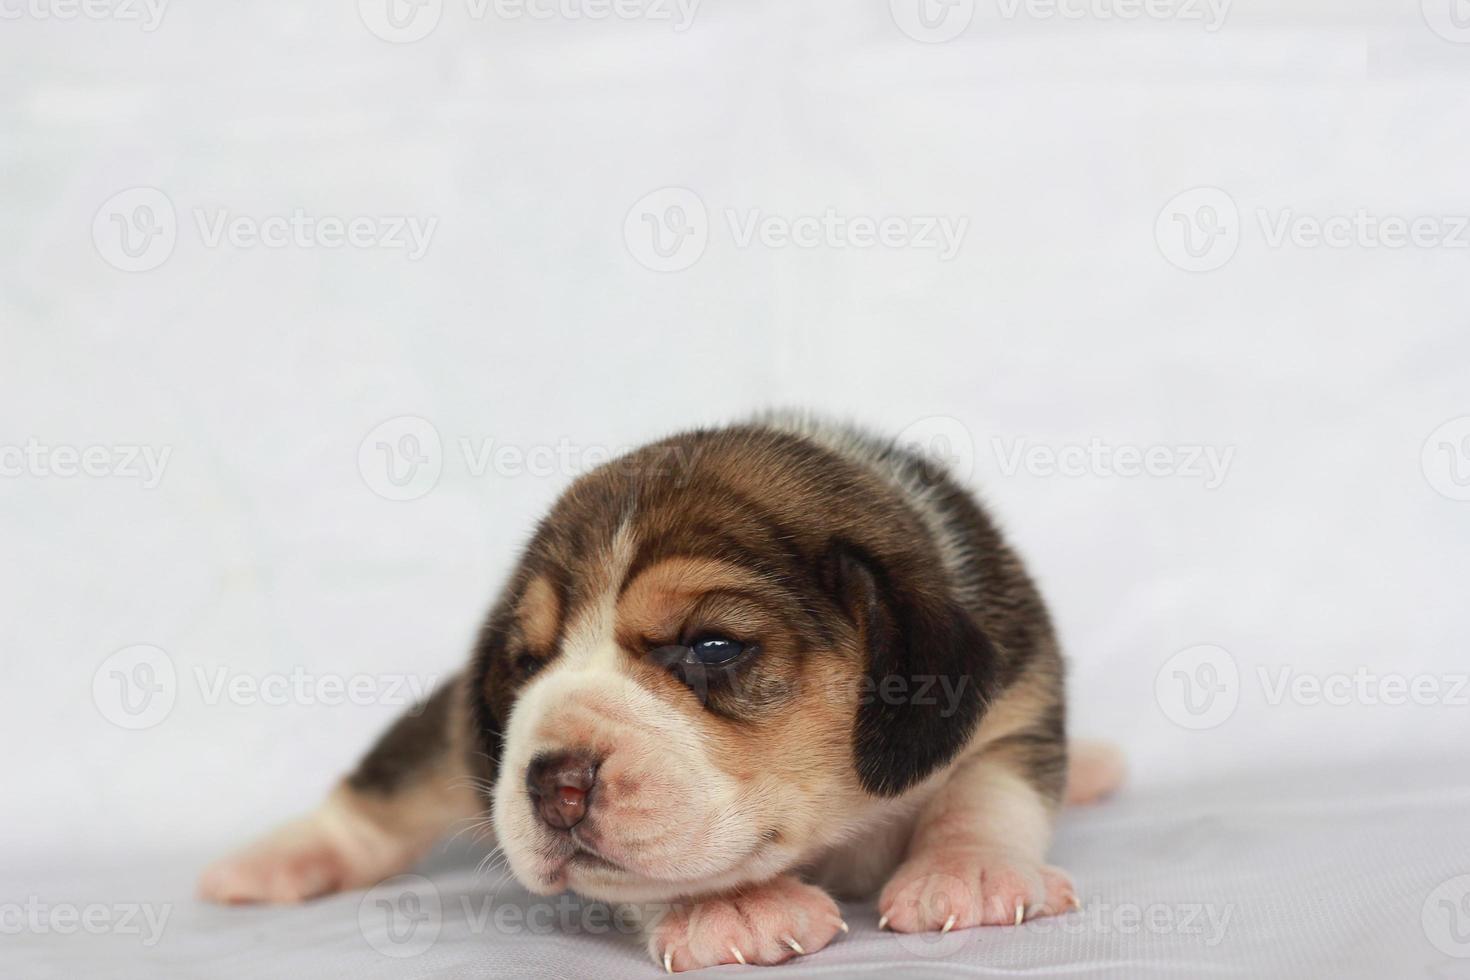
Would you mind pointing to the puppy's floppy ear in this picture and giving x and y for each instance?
(492, 685)
(930, 669)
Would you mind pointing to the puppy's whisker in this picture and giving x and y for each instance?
(497, 859)
(470, 824)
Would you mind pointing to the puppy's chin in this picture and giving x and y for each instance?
(602, 866)
(594, 877)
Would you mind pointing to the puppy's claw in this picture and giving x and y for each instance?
(883, 922)
(1020, 912)
(1075, 902)
(668, 961)
(948, 925)
(794, 945)
(843, 926)
(738, 955)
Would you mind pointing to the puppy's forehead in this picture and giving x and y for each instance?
(684, 575)
(656, 600)
(725, 517)
(590, 622)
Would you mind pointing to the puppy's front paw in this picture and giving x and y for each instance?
(297, 862)
(767, 924)
(957, 889)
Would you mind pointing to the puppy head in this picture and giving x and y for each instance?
(717, 655)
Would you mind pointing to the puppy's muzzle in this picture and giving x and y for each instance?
(561, 785)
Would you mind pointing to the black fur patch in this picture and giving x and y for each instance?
(930, 671)
(408, 748)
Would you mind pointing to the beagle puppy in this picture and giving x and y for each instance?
(736, 673)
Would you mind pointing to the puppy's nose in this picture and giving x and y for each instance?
(560, 784)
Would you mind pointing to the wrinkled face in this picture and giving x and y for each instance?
(673, 686)
(672, 732)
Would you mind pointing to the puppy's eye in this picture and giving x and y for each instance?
(707, 651)
(715, 651)
(527, 664)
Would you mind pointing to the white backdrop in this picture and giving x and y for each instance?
(1080, 307)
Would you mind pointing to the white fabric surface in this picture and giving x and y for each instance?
(1332, 547)
(1335, 873)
